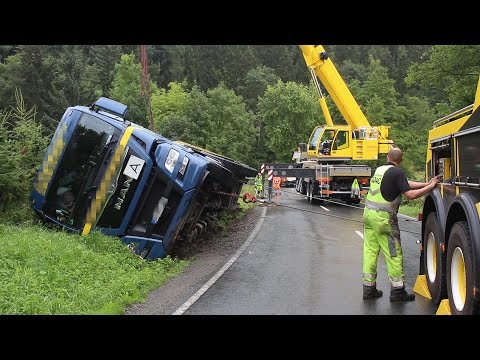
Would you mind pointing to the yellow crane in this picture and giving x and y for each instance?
(357, 140)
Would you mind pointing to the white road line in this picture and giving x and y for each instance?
(324, 208)
(407, 217)
(359, 233)
(225, 267)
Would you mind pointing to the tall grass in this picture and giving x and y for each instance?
(53, 272)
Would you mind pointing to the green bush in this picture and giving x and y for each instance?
(22, 146)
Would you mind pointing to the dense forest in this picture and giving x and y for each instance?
(254, 103)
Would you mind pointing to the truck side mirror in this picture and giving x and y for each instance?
(302, 147)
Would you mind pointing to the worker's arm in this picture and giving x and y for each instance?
(416, 190)
(414, 185)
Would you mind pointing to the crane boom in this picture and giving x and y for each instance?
(317, 59)
(357, 140)
(324, 166)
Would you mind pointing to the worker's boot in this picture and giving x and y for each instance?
(371, 292)
(399, 294)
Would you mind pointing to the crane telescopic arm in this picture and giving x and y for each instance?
(318, 62)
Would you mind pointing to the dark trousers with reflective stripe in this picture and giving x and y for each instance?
(381, 232)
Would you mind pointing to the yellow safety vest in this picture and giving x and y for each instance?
(375, 200)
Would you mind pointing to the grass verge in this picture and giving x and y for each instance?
(411, 208)
(53, 272)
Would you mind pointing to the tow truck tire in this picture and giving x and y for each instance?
(460, 271)
(434, 260)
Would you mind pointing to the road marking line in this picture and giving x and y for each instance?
(407, 217)
(225, 267)
(359, 233)
(324, 208)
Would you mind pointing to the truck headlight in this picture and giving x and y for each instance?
(183, 167)
(171, 160)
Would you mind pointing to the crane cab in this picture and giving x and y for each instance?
(332, 142)
(339, 142)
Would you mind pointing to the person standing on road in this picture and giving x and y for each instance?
(381, 231)
(259, 185)
(355, 191)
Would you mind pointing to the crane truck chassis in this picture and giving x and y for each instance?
(450, 253)
(320, 181)
(103, 171)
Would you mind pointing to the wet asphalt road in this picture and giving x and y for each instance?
(309, 263)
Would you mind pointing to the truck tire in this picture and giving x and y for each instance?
(312, 197)
(303, 187)
(434, 260)
(460, 271)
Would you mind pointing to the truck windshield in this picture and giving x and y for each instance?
(81, 168)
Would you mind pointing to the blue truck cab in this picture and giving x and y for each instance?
(102, 171)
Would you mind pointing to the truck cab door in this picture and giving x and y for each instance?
(341, 144)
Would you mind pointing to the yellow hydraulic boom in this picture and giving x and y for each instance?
(356, 141)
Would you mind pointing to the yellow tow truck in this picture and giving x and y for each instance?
(450, 251)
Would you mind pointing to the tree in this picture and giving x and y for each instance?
(165, 103)
(230, 125)
(256, 82)
(288, 113)
(6, 51)
(126, 88)
(33, 70)
(22, 145)
(353, 71)
(217, 121)
(76, 82)
(104, 58)
(181, 115)
(198, 110)
(448, 75)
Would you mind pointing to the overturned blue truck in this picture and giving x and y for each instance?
(103, 172)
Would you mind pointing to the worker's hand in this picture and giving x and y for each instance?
(435, 180)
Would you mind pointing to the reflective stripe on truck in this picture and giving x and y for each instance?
(101, 194)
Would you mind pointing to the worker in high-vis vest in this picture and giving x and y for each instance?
(381, 231)
(355, 192)
(276, 184)
(259, 185)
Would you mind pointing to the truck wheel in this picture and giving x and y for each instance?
(434, 260)
(312, 197)
(303, 187)
(460, 271)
